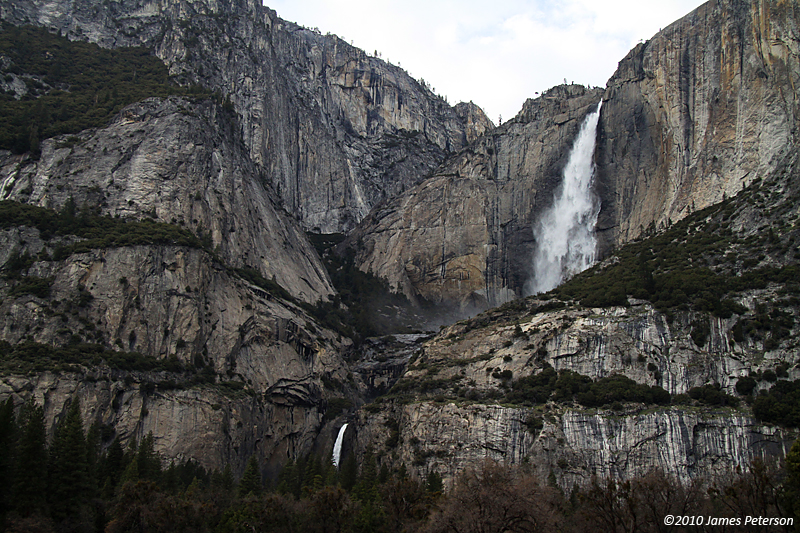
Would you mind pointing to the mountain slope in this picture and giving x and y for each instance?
(697, 113)
(334, 129)
(677, 353)
(691, 117)
(462, 240)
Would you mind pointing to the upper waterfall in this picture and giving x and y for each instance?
(565, 240)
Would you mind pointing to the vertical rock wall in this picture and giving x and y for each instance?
(335, 129)
(698, 112)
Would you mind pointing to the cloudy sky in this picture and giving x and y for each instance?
(496, 54)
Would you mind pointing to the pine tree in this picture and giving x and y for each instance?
(30, 472)
(93, 446)
(434, 483)
(251, 479)
(110, 468)
(791, 485)
(348, 472)
(70, 481)
(287, 479)
(227, 478)
(366, 487)
(8, 435)
(148, 462)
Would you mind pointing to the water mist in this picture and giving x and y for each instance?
(565, 240)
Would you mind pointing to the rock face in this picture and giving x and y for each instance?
(335, 130)
(181, 162)
(697, 113)
(333, 134)
(447, 423)
(573, 445)
(463, 238)
(173, 301)
(206, 425)
(175, 161)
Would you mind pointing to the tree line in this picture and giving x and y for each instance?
(87, 481)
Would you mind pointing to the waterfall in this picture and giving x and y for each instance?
(565, 241)
(337, 446)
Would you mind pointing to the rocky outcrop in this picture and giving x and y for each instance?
(474, 119)
(463, 238)
(267, 360)
(638, 342)
(205, 423)
(697, 113)
(180, 162)
(334, 129)
(447, 411)
(573, 445)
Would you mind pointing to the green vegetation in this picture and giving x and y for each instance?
(39, 287)
(270, 285)
(567, 386)
(87, 480)
(548, 385)
(32, 358)
(699, 263)
(336, 406)
(98, 231)
(95, 230)
(712, 395)
(72, 85)
(780, 405)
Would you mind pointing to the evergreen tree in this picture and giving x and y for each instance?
(251, 479)
(30, 472)
(169, 478)
(8, 436)
(349, 472)
(70, 481)
(110, 468)
(287, 479)
(366, 487)
(791, 485)
(148, 462)
(434, 483)
(93, 447)
(227, 478)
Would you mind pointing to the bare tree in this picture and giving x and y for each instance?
(493, 498)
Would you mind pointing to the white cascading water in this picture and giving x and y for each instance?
(337, 446)
(565, 240)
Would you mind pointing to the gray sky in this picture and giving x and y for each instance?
(496, 54)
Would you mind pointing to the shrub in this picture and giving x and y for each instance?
(780, 404)
(534, 424)
(745, 385)
(713, 395)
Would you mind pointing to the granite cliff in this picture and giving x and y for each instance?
(334, 129)
(690, 118)
(697, 113)
(307, 132)
(463, 238)
(178, 162)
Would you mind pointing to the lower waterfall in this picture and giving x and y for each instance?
(337, 446)
(565, 240)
